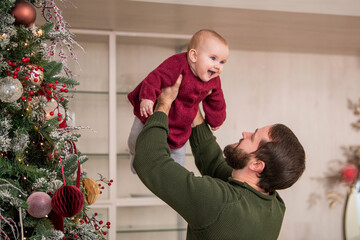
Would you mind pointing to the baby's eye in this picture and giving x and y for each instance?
(212, 58)
(222, 62)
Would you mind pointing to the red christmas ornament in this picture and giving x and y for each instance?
(24, 13)
(68, 201)
(349, 173)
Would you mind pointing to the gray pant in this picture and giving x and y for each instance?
(177, 154)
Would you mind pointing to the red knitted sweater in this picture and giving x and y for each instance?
(192, 91)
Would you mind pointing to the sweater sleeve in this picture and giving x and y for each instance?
(208, 154)
(215, 107)
(171, 182)
(164, 75)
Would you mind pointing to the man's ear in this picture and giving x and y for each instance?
(192, 55)
(257, 166)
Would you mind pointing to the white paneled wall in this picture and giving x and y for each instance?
(308, 93)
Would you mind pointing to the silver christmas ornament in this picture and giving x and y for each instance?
(10, 89)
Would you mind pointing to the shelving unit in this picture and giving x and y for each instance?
(112, 65)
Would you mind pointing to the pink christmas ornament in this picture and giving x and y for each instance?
(40, 204)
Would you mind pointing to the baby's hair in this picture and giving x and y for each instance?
(200, 35)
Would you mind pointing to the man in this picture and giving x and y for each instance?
(235, 198)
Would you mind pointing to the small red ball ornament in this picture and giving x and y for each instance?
(68, 201)
(349, 173)
(24, 13)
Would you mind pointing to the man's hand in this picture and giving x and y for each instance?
(198, 119)
(167, 97)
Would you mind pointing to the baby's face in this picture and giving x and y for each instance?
(211, 56)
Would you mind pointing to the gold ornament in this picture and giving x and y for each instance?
(24, 13)
(92, 190)
(36, 76)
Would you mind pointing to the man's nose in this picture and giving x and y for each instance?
(246, 134)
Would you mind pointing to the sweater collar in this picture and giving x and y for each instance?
(271, 196)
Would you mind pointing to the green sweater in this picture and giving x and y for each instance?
(215, 206)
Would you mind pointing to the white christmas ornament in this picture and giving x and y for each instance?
(10, 89)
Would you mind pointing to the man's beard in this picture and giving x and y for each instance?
(236, 157)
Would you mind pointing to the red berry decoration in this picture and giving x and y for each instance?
(68, 201)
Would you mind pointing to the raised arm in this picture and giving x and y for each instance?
(215, 107)
(207, 153)
(171, 182)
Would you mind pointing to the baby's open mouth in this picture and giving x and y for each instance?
(211, 73)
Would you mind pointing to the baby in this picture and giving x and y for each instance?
(200, 68)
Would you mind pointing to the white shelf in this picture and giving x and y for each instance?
(140, 201)
(130, 202)
(104, 92)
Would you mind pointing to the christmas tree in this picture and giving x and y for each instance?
(43, 193)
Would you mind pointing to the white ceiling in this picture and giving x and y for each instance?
(275, 25)
(337, 7)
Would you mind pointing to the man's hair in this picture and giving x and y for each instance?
(197, 38)
(284, 159)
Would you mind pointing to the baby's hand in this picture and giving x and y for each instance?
(146, 107)
(215, 128)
